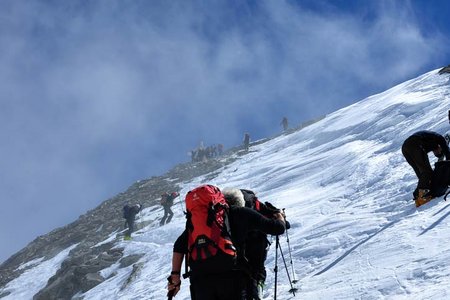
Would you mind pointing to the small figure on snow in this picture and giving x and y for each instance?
(129, 214)
(246, 141)
(167, 202)
(220, 149)
(285, 124)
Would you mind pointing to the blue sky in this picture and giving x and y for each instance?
(95, 95)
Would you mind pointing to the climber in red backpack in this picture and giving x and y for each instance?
(214, 242)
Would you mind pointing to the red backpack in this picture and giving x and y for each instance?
(209, 240)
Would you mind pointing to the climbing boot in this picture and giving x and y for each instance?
(260, 287)
(423, 197)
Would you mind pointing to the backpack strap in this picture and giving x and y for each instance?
(187, 273)
(189, 226)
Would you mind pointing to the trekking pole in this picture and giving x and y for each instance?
(277, 243)
(293, 289)
(170, 295)
(181, 205)
(171, 292)
(290, 257)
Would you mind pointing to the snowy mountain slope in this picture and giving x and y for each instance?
(36, 278)
(347, 192)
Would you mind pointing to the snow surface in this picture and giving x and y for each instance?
(30, 263)
(34, 279)
(347, 191)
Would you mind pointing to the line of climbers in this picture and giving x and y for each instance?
(225, 241)
(224, 244)
(202, 153)
(130, 212)
(246, 141)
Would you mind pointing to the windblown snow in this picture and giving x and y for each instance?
(347, 191)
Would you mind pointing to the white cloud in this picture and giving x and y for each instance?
(90, 89)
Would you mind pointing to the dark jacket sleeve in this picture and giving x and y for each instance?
(429, 141)
(440, 140)
(181, 244)
(259, 222)
(135, 209)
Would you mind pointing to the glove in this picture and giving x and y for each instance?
(272, 208)
(173, 286)
(287, 224)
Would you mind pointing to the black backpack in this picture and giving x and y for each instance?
(251, 201)
(256, 243)
(441, 178)
(126, 211)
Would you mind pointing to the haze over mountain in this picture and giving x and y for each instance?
(346, 189)
(95, 95)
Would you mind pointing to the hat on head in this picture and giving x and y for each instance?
(234, 197)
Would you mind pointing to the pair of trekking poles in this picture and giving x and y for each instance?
(293, 281)
(277, 246)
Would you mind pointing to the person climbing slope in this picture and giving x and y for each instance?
(415, 149)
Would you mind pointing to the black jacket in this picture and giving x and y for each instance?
(429, 141)
(130, 212)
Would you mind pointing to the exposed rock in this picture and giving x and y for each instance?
(112, 275)
(129, 260)
(91, 280)
(106, 257)
(134, 273)
(4, 294)
(80, 271)
(54, 289)
(444, 70)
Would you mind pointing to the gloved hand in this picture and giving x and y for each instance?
(174, 285)
(272, 208)
(287, 224)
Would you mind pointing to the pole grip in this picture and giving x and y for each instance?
(171, 292)
(170, 295)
